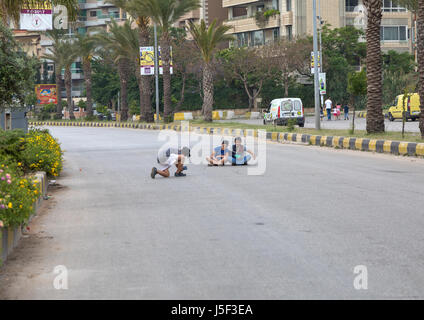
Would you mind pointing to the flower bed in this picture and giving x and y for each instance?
(21, 155)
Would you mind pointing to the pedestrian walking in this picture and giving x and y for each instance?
(328, 107)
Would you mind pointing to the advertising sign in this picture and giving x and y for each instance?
(147, 61)
(313, 62)
(37, 16)
(322, 83)
(46, 93)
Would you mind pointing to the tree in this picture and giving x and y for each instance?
(417, 6)
(165, 13)
(85, 46)
(45, 72)
(144, 82)
(17, 71)
(186, 60)
(357, 86)
(69, 54)
(207, 39)
(251, 66)
(292, 58)
(57, 55)
(375, 117)
(122, 42)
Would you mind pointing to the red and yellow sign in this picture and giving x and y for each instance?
(46, 93)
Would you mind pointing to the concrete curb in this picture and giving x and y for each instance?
(10, 236)
(360, 144)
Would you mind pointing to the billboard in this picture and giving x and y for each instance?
(37, 16)
(147, 61)
(46, 93)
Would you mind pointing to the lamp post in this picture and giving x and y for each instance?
(156, 73)
(316, 71)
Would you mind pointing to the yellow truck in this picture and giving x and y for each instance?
(412, 107)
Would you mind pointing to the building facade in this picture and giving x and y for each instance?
(208, 11)
(294, 18)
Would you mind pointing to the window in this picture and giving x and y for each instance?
(239, 12)
(242, 39)
(392, 6)
(276, 34)
(288, 5)
(275, 4)
(260, 8)
(93, 13)
(351, 4)
(289, 32)
(393, 33)
(258, 38)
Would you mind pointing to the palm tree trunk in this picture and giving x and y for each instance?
(87, 76)
(166, 57)
(59, 92)
(420, 34)
(123, 78)
(182, 93)
(68, 86)
(375, 117)
(144, 83)
(208, 92)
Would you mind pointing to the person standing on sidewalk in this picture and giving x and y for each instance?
(346, 111)
(329, 107)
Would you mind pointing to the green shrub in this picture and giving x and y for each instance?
(42, 153)
(17, 196)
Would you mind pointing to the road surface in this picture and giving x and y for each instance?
(298, 231)
(360, 124)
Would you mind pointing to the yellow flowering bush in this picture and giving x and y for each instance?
(42, 152)
(17, 196)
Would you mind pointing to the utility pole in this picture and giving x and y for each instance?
(320, 46)
(156, 73)
(316, 71)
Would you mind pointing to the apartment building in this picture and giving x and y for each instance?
(208, 11)
(293, 18)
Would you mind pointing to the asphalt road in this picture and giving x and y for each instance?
(297, 231)
(360, 124)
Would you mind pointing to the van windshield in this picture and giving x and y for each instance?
(286, 106)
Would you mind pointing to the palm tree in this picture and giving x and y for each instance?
(12, 8)
(85, 47)
(69, 57)
(57, 54)
(122, 42)
(375, 117)
(207, 39)
(165, 13)
(144, 82)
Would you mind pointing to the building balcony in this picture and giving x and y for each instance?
(287, 18)
(249, 24)
(95, 5)
(232, 3)
(194, 14)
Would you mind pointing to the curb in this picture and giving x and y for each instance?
(10, 236)
(412, 149)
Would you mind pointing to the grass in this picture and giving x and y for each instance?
(394, 136)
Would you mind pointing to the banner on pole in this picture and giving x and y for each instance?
(147, 61)
(37, 16)
(313, 62)
(323, 83)
(46, 93)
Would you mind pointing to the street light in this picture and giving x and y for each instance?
(316, 71)
(156, 73)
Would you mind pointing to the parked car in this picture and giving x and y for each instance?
(281, 110)
(412, 107)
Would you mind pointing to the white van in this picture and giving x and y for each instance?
(281, 110)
